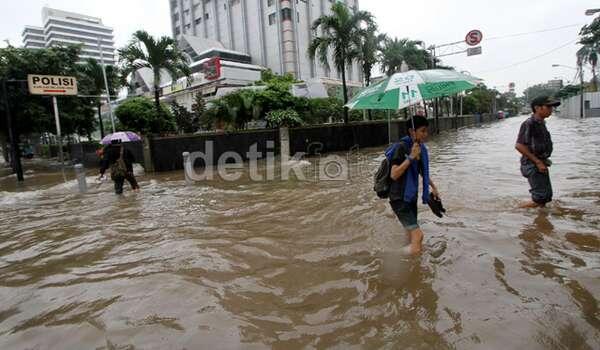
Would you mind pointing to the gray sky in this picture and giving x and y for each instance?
(504, 60)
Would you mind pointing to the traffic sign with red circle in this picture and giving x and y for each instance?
(474, 37)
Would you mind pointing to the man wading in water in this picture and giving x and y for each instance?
(408, 161)
(120, 161)
(535, 145)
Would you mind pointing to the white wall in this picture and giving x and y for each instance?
(571, 107)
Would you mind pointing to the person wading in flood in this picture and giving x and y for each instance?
(410, 159)
(535, 145)
(120, 161)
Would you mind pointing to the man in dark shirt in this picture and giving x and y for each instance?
(112, 153)
(410, 160)
(535, 145)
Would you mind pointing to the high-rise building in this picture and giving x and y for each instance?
(33, 37)
(65, 28)
(273, 33)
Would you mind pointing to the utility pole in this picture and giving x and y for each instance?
(581, 110)
(15, 152)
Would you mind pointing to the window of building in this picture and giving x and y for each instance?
(175, 17)
(198, 20)
(286, 14)
(298, 17)
(186, 12)
(177, 31)
(206, 15)
(269, 2)
(187, 26)
(272, 18)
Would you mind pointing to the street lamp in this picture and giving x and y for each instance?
(590, 12)
(580, 69)
(110, 111)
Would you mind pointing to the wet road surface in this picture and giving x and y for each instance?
(306, 264)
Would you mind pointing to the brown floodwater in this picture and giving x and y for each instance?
(309, 264)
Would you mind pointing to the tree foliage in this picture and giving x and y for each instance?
(159, 55)
(34, 113)
(538, 90)
(370, 46)
(395, 51)
(139, 114)
(187, 121)
(92, 77)
(283, 118)
(342, 33)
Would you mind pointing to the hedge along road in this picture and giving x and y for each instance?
(289, 264)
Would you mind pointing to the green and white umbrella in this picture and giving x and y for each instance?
(405, 89)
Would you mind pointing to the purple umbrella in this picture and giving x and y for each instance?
(124, 136)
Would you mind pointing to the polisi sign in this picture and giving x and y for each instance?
(51, 85)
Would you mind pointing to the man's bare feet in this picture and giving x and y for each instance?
(530, 204)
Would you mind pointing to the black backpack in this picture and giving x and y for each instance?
(382, 182)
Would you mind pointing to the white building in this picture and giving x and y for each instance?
(571, 107)
(64, 28)
(273, 33)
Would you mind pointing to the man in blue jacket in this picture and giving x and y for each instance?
(410, 160)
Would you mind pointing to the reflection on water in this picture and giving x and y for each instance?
(295, 264)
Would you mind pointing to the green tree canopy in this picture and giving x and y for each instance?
(342, 33)
(92, 77)
(34, 113)
(159, 55)
(395, 51)
(139, 114)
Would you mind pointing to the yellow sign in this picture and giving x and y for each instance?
(51, 85)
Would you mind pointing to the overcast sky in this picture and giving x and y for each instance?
(504, 60)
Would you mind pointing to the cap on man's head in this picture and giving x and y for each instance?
(544, 101)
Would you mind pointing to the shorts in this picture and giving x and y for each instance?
(406, 213)
(541, 187)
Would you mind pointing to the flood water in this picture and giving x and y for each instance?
(307, 264)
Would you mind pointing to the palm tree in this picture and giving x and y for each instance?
(92, 71)
(369, 49)
(588, 53)
(394, 51)
(342, 33)
(145, 51)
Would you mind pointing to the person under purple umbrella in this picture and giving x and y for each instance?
(123, 136)
(120, 161)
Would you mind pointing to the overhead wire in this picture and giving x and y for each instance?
(530, 59)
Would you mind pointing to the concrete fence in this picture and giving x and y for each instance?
(166, 153)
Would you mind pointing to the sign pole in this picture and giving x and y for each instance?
(59, 137)
(14, 145)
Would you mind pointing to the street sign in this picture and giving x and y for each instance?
(474, 37)
(51, 85)
(472, 51)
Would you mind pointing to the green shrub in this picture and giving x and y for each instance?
(283, 118)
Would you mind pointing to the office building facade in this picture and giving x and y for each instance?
(273, 33)
(66, 28)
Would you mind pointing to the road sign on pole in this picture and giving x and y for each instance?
(474, 37)
(472, 51)
(52, 85)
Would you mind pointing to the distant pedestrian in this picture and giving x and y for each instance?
(535, 145)
(120, 161)
(410, 159)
